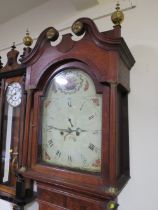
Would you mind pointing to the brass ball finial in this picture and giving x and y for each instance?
(27, 40)
(52, 34)
(78, 28)
(112, 205)
(117, 17)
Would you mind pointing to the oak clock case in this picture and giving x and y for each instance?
(77, 105)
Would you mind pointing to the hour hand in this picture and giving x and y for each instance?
(50, 127)
(11, 95)
(69, 119)
(80, 130)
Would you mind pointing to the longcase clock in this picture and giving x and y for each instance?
(12, 104)
(12, 119)
(77, 118)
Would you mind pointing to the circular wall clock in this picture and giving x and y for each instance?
(14, 94)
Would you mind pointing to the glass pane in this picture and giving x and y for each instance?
(72, 122)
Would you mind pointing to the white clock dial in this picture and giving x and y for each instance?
(14, 94)
(72, 122)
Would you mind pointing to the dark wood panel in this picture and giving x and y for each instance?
(79, 204)
(48, 206)
(51, 195)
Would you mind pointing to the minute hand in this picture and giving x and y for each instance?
(80, 130)
(60, 129)
(69, 130)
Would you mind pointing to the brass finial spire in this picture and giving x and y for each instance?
(117, 17)
(13, 47)
(27, 40)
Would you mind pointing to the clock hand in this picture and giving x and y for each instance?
(82, 130)
(69, 130)
(11, 96)
(79, 130)
(70, 122)
(82, 105)
(60, 129)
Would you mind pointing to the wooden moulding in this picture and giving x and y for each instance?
(12, 63)
(91, 48)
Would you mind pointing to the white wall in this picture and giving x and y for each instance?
(141, 33)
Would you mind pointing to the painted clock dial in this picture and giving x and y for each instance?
(72, 122)
(14, 94)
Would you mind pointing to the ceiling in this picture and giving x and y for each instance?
(10, 9)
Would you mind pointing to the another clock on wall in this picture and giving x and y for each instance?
(12, 105)
(13, 187)
(77, 118)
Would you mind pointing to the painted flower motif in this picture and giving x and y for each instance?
(47, 102)
(97, 163)
(69, 82)
(95, 101)
(86, 86)
(46, 156)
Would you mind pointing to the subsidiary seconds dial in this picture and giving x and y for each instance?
(14, 94)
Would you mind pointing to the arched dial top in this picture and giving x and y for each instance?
(72, 122)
